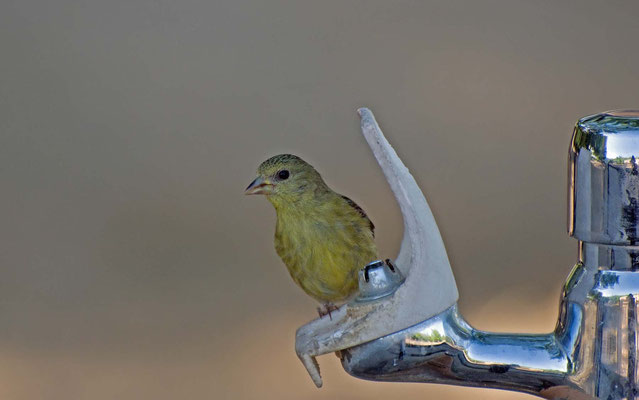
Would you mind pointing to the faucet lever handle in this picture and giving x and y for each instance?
(428, 290)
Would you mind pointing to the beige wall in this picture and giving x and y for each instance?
(131, 265)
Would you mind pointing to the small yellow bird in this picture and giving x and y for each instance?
(324, 238)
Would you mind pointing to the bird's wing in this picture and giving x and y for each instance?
(361, 212)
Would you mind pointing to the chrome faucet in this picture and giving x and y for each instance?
(414, 332)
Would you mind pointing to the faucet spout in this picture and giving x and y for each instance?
(446, 349)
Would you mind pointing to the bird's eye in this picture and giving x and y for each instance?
(283, 174)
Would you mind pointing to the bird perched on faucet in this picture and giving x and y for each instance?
(323, 237)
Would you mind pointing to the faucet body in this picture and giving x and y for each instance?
(592, 353)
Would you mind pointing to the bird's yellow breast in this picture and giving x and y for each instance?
(324, 246)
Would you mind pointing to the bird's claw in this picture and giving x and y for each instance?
(328, 308)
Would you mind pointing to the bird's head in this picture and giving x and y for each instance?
(286, 178)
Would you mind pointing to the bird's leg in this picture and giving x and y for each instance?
(328, 308)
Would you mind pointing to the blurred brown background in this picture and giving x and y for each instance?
(131, 264)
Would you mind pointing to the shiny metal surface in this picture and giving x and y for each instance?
(603, 180)
(378, 280)
(592, 353)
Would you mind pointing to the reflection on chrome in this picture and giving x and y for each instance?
(592, 352)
